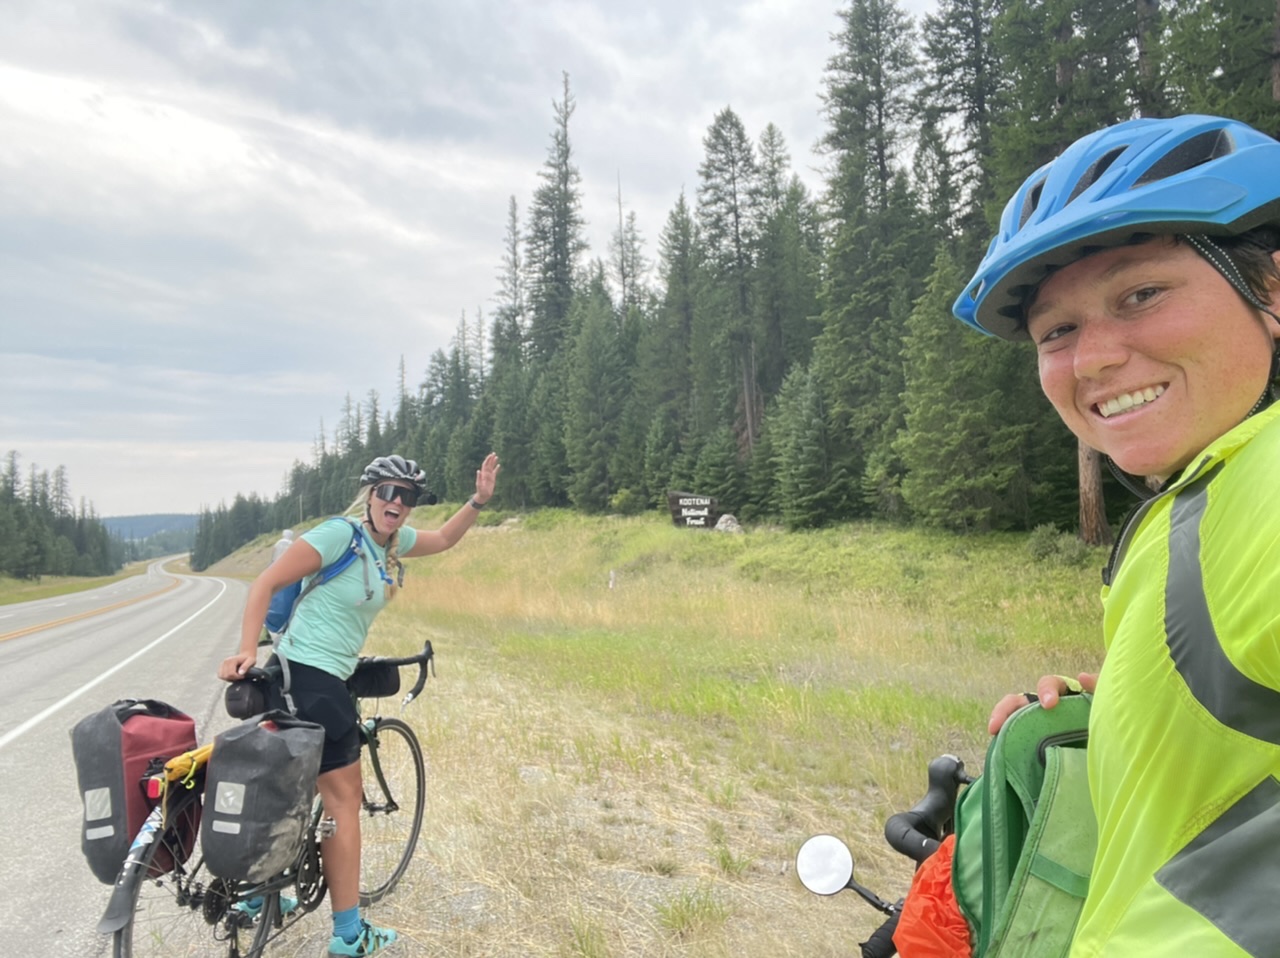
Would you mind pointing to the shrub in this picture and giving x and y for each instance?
(1046, 543)
(627, 502)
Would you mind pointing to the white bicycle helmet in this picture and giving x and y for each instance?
(386, 468)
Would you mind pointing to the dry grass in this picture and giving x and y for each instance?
(49, 586)
(634, 727)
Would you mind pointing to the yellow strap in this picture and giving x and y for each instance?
(183, 768)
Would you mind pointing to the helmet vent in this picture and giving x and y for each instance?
(1030, 203)
(1095, 171)
(1188, 155)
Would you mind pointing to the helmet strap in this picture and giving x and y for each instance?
(368, 517)
(1134, 484)
(1216, 257)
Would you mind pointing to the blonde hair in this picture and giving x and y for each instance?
(360, 509)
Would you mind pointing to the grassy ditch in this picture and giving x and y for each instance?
(635, 726)
(51, 586)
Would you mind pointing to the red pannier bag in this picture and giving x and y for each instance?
(113, 749)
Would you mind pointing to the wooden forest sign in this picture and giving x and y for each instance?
(694, 511)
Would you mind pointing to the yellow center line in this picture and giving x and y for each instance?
(84, 615)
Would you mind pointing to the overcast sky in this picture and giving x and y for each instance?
(218, 219)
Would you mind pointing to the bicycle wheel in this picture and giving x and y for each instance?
(183, 910)
(394, 781)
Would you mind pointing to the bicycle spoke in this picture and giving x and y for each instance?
(181, 911)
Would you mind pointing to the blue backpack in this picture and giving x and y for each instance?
(280, 611)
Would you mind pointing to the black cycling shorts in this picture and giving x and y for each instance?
(322, 697)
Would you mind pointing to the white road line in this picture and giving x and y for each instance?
(57, 706)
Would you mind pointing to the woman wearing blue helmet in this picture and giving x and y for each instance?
(1144, 263)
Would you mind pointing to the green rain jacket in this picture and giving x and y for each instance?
(1184, 734)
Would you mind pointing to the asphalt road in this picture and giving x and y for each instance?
(156, 636)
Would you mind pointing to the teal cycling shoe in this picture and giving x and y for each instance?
(253, 907)
(370, 941)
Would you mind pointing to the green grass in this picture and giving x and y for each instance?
(634, 727)
(51, 586)
(693, 913)
(807, 660)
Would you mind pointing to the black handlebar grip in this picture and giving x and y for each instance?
(918, 832)
(880, 944)
(426, 661)
(903, 836)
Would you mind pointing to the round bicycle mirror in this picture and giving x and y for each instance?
(824, 864)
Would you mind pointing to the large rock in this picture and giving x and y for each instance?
(727, 523)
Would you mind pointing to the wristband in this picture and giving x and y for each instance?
(475, 505)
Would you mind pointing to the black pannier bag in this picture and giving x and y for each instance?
(112, 750)
(374, 681)
(258, 795)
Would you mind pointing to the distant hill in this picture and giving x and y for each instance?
(144, 527)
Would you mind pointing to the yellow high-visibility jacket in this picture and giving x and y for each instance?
(1184, 734)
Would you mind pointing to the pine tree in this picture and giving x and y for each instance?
(806, 484)
(876, 257)
(549, 468)
(718, 472)
(762, 471)
(373, 433)
(509, 381)
(964, 440)
(661, 450)
(961, 82)
(785, 278)
(668, 365)
(1069, 69)
(1224, 59)
(554, 241)
(594, 400)
(628, 267)
(728, 188)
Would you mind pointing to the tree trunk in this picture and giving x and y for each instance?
(1064, 74)
(1275, 60)
(1148, 68)
(1094, 529)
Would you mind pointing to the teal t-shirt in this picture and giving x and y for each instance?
(329, 626)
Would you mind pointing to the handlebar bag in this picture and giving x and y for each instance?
(245, 698)
(112, 750)
(373, 680)
(258, 796)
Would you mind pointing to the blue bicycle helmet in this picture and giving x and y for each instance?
(1186, 175)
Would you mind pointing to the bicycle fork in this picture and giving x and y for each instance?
(369, 729)
(120, 908)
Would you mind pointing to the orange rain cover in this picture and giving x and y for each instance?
(931, 924)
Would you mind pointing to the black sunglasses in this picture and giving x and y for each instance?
(390, 492)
